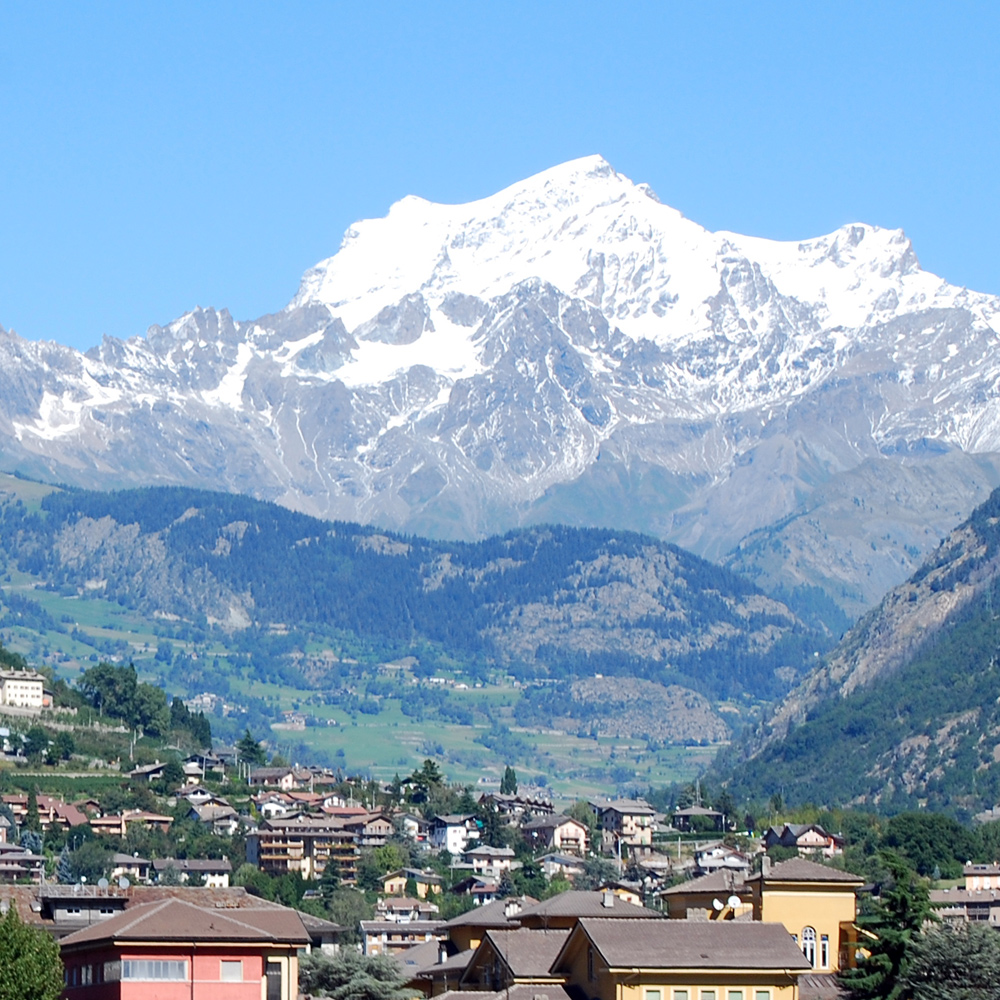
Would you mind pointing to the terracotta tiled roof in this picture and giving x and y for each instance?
(660, 944)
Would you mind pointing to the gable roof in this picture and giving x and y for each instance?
(718, 881)
(803, 870)
(682, 944)
(525, 952)
(179, 920)
(492, 914)
(551, 822)
(582, 903)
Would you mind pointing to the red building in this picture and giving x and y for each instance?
(174, 950)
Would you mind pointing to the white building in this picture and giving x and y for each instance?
(22, 689)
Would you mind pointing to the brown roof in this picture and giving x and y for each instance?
(581, 903)
(454, 963)
(526, 952)
(803, 870)
(718, 881)
(682, 944)
(176, 920)
(820, 986)
(492, 914)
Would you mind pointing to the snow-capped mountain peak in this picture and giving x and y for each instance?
(567, 348)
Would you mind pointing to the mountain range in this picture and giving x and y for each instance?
(817, 414)
(905, 712)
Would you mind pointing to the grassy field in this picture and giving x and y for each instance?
(90, 629)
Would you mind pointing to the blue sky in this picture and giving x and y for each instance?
(158, 156)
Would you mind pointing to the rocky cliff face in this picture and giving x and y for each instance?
(569, 349)
(910, 617)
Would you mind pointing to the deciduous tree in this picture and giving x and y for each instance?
(30, 967)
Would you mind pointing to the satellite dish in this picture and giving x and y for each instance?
(102, 883)
(733, 901)
(717, 904)
(123, 882)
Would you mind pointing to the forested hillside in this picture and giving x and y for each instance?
(906, 713)
(543, 602)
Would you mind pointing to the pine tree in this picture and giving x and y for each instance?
(64, 869)
(508, 783)
(900, 914)
(32, 821)
(955, 963)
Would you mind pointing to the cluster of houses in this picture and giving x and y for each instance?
(737, 928)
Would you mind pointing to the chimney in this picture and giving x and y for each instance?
(765, 865)
(608, 899)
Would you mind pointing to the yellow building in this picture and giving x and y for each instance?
(680, 960)
(394, 884)
(815, 903)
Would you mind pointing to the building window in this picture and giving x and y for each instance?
(735, 995)
(153, 969)
(681, 995)
(809, 945)
(762, 995)
(824, 951)
(654, 995)
(231, 972)
(708, 995)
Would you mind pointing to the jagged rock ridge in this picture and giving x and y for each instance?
(569, 349)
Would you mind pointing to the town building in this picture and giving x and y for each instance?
(816, 903)
(679, 960)
(306, 844)
(391, 937)
(424, 883)
(806, 838)
(514, 957)
(208, 871)
(23, 689)
(626, 826)
(562, 834)
(453, 832)
(175, 950)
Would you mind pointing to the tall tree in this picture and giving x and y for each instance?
(508, 783)
(955, 963)
(30, 967)
(250, 750)
(899, 915)
(32, 821)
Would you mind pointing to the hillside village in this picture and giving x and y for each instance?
(254, 863)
